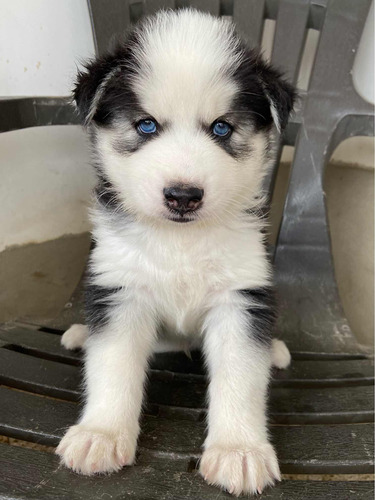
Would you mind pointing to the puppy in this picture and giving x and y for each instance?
(183, 118)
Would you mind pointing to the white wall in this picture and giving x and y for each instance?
(46, 180)
(363, 70)
(41, 42)
(46, 184)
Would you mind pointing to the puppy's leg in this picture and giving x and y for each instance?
(105, 437)
(238, 455)
(75, 337)
(281, 357)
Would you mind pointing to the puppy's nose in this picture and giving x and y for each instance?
(183, 199)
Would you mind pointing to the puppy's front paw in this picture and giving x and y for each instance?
(239, 471)
(90, 451)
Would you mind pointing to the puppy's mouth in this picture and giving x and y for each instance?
(181, 219)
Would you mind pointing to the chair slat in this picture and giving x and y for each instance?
(26, 473)
(290, 36)
(152, 6)
(211, 6)
(287, 405)
(40, 344)
(301, 373)
(43, 420)
(108, 21)
(25, 112)
(249, 17)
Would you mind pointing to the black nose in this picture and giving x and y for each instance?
(183, 199)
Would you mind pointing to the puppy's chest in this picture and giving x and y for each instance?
(182, 292)
(177, 283)
(180, 279)
(176, 280)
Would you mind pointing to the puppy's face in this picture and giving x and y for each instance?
(182, 116)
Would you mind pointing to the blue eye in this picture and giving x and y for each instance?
(147, 126)
(221, 129)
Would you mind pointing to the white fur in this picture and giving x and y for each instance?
(281, 357)
(75, 337)
(241, 470)
(274, 114)
(183, 276)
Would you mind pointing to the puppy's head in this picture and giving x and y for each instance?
(182, 117)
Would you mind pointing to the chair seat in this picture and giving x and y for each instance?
(320, 414)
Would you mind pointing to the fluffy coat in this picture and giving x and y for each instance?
(174, 273)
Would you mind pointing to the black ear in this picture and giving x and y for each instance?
(280, 94)
(91, 84)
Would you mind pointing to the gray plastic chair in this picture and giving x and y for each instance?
(329, 382)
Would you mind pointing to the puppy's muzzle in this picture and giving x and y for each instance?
(183, 199)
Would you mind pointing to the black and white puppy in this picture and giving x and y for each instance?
(182, 118)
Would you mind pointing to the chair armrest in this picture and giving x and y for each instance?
(23, 112)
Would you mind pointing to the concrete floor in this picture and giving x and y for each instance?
(37, 280)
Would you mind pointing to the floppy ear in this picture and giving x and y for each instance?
(280, 94)
(91, 84)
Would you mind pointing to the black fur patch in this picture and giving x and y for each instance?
(118, 99)
(262, 312)
(107, 196)
(259, 83)
(259, 86)
(236, 148)
(98, 302)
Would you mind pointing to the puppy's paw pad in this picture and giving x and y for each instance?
(89, 451)
(75, 337)
(240, 471)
